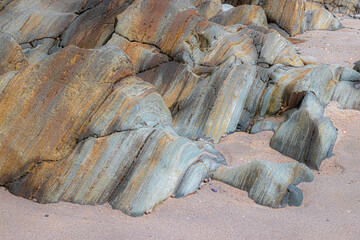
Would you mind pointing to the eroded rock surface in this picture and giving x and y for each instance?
(119, 101)
(295, 16)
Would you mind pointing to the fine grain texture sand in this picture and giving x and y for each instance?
(331, 207)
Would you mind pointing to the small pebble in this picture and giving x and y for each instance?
(46, 215)
(214, 190)
(172, 196)
(148, 212)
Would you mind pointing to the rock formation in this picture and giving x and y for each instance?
(295, 16)
(120, 101)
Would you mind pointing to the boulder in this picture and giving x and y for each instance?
(305, 135)
(244, 14)
(318, 18)
(208, 8)
(268, 183)
(293, 16)
(309, 60)
(289, 17)
(339, 6)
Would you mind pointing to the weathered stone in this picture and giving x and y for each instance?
(189, 93)
(3, 3)
(318, 18)
(288, 14)
(38, 49)
(27, 21)
(305, 135)
(309, 60)
(208, 8)
(341, 6)
(11, 55)
(95, 24)
(143, 56)
(280, 89)
(295, 16)
(77, 125)
(244, 14)
(66, 88)
(267, 183)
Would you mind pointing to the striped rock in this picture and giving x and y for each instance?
(143, 56)
(289, 18)
(11, 55)
(295, 16)
(305, 135)
(268, 183)
(204, 102)
(208, 8)
(340, 6)
(99, 124)
(318, 18)
(244, 14)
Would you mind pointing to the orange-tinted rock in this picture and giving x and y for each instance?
(44, 106)
(27, 21)
(143, 56)
(205, 102)
(77, 125)
(208, 8)
(11, 55)
(341, 6)
(95, 24)
(318, 18)
(244, 14)
(288, 14)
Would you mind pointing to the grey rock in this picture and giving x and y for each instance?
(267, 183)
(357, 66)
(305, 135)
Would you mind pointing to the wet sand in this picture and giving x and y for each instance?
(331, 207)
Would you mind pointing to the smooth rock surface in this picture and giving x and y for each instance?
(244, 14)
(254, 178)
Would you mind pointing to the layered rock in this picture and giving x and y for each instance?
(340, 6)
(318, 18)
(12, 57)
(254, 178)
(208, 8)
(244, 14)
(108, 125)
(205, 102)
(295, 16)
(305, 135)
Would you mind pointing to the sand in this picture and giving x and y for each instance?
(331, 207)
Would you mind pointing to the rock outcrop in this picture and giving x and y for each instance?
(119, 101)
(254, 178)
(340, 6)
(294, 16)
